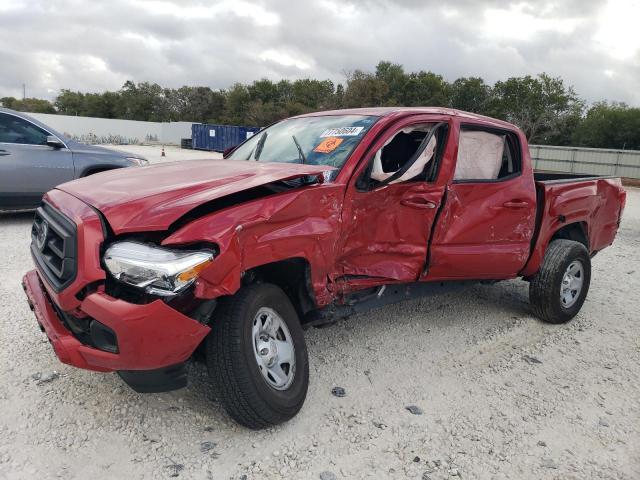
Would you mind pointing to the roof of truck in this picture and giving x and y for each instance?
(397, 111)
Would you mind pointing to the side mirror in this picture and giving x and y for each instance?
(228, 151)
(54, 142)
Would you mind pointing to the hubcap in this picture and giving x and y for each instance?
(572, 283)
(273, 349)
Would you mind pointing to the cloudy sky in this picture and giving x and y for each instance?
(97, 45)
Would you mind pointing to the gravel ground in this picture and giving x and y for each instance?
(498, 393)
(153, 153)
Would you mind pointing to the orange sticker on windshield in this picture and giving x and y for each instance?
(328, 145)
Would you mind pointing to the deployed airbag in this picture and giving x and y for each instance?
(479, 155)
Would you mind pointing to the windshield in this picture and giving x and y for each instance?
(326, 140)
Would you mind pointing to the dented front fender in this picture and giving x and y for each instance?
(301, 223)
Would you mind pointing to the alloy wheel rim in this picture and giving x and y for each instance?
(572, 283)
(273, 349)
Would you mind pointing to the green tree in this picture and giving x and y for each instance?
(393, 75)
(238, 99)
(609, 125)
(70, 103)
(313, 94)
(338, 98)
(102, 105)
(33, 105)
(424, 89)
(144, 101)
(548, 111)
(194, 104)
(264, 90)
(539, 106)
(470, 94)
(365, 90)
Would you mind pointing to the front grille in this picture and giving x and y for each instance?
(53, 246)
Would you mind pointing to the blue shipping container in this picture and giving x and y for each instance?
(219, 137)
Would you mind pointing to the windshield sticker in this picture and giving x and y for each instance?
(342, 132)
(328, 145)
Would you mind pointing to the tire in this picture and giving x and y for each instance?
(250, 397)
(552, 301)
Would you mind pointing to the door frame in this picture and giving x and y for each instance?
(520, 181)
(352, 190)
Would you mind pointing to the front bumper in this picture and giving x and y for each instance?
(150, 336)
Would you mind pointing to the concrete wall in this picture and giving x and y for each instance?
(594, 161)
(172, 132)
(108, 130)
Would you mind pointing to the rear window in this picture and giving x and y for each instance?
(486, 155)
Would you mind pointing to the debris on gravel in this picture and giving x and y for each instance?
(531, 360)
(327, 475)
(206, 447)
(42, 378)
(414, 409)
(379, 425)
(174, 469)
(338, 392)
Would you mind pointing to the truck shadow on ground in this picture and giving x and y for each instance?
(10, 219)
(482, 311)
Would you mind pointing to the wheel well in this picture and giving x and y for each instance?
(92, 171)
(293, 276)
(574, 231)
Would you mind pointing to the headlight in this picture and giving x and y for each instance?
(157, 270)
(140, 162)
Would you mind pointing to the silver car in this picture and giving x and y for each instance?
(35, 158)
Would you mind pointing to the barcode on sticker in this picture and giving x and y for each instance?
(342, 132)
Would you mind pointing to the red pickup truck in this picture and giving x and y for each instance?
(314, 218)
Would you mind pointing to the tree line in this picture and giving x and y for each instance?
(547, 110)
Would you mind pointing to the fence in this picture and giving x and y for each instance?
(593, 161)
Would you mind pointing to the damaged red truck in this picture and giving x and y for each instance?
(314, 218)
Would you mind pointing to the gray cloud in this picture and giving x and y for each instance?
(94, 46)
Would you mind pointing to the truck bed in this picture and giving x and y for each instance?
(588, 205)
(558, 177)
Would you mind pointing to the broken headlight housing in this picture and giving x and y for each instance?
(156, 270)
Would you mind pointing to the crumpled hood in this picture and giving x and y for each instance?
(152, 198)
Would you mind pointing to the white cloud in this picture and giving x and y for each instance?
(257, 13)
(94, 46)
(284, 59)
(618, 29)
(516, 22)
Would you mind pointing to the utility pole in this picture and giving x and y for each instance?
(24, 91)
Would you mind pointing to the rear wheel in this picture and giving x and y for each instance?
(560, 287)
(257, 356)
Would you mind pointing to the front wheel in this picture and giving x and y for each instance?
(560, 287)
(257, 356)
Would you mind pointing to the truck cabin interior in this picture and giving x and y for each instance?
(400, 149)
